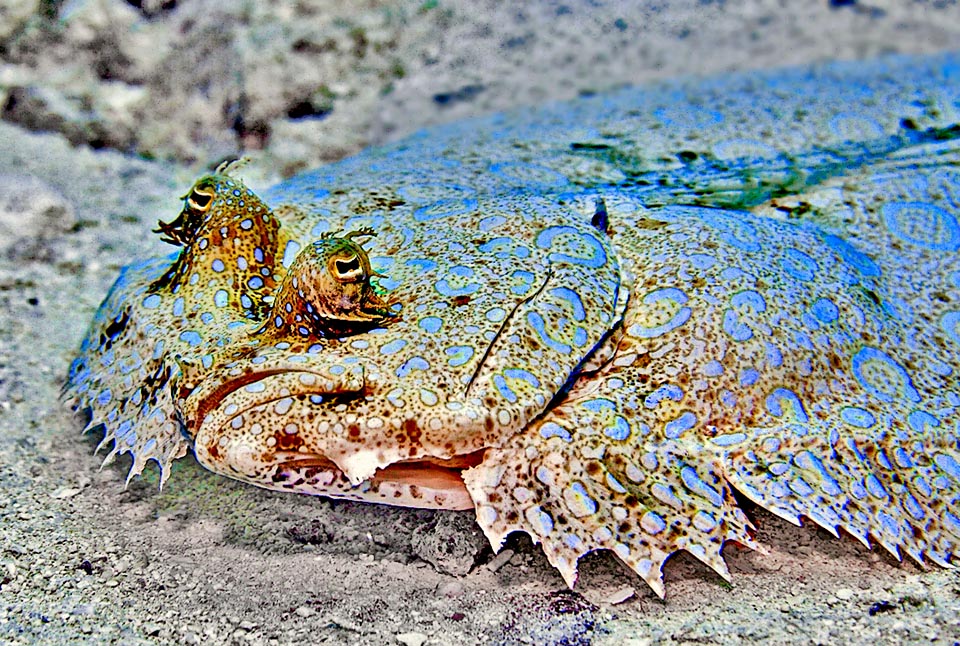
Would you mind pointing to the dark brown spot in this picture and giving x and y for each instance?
(412, 430)
(287, 441)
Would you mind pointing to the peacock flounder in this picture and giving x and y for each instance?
(590, 322)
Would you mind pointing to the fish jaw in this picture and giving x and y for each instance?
(269, 428)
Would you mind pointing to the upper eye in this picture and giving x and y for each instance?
(348, 268)
(200, 199)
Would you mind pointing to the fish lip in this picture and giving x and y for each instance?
(420, 483)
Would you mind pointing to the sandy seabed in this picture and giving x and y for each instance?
(110, 109)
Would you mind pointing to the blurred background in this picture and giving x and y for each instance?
(303, 82)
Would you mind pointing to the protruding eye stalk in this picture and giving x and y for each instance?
(328, 290)
(196, 206)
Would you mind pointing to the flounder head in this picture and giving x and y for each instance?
(299, 360)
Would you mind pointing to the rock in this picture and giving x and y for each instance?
(450, 543)
(451, 589)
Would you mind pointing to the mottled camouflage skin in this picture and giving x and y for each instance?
(604, 316)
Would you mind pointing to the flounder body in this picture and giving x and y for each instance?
(590, 322)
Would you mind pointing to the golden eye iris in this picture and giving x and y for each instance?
(348, 268)
(200, 199)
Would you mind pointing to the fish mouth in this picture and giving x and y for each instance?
(424, 484)
(281, 428)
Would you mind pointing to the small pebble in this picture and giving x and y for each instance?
(620, 595)
(500, 560)
(65, 492)
(411, 639)
(451, 589)
(304, 612)
(844, 594)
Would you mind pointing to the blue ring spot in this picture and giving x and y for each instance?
(871, 356)
(920, 421)
(749, 376)
(799, 265)
(575, 247)
(735, 230)
(504, 389)
(713, 368)
(732, 325)
(693, 482)
(567, 294)
(491, 222)
(515, 373)
(599, 404)
(925, 225)
(731, 439)
(459, 355)
(682, 315)
(152, 302)
(948, 464)
(444, 209)
(444, 287)
(825, 310)
(858, 417)
(875, 487)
